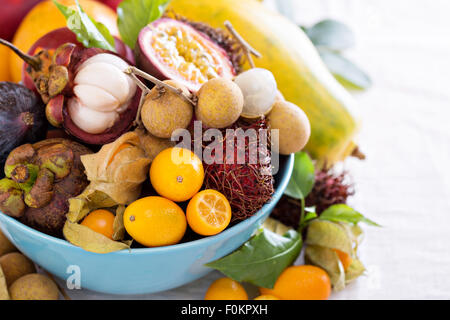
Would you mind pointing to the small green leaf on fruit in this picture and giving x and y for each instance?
(133, 15)
(90, 33)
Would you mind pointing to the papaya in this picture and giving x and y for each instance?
(301, 75)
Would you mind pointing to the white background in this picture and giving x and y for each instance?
(405, 182)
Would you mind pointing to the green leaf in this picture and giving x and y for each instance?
(261, 259)
(133, 15)
(302, 180)
(344, 213)
(345, 71)
(90, 33)
(331, 34)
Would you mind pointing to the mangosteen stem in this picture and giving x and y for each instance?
(136, 72)
(34, 62)
(248, 49)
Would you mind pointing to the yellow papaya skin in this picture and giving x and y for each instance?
(300, 73)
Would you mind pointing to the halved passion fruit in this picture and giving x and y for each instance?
(173, 49)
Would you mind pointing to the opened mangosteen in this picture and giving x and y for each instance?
(85, 89)
(22, 118)
(56, 38)
(189, 53)
(40, 178)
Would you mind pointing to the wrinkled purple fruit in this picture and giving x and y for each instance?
(22, 118)
(40, 178)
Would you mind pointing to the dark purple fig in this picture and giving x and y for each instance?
(173, 49)
(40, 178)
(22, 118)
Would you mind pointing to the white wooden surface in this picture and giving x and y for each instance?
(405, 182)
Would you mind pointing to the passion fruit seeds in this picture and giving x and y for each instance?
(172, 49)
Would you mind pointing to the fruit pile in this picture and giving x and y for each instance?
(117, 167)
(131, 134)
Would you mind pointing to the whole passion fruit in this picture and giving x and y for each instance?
(173, 49)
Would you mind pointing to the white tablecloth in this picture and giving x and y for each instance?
(405, 182)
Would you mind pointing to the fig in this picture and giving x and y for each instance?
(85, 89)
(40, 178)
(173, 49)
(22, 118)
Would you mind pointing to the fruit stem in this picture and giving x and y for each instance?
(133, 72)
(27, 118)
(248, 49)
(34, 62)
(358, 154)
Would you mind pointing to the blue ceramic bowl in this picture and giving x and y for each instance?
(139, 271)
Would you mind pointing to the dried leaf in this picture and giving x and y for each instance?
(275, 226)
(325, 236)
(330, 235)
(118, 169)
(4, 294)
(328, 260)
(90, 240)
(355, 233)
(355, 269)
(118, 225)
(89, 200)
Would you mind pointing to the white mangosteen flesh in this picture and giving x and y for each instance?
(259, 89)
(102, 91)
(90, 120)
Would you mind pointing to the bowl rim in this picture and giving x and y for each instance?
(287, 172)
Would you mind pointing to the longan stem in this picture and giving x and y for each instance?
(135, 71)
(248, 49)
